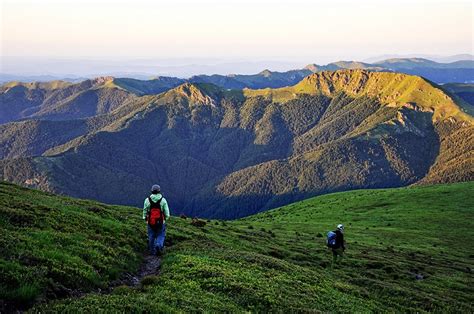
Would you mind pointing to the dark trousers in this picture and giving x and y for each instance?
(335, 253)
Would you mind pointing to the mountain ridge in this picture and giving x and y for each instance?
(335, 131)
(402, 90)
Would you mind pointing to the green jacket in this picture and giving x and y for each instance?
(163, 203)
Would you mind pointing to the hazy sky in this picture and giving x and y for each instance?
(298, 30)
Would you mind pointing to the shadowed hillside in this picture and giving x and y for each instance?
(220, 153)
(463, 91)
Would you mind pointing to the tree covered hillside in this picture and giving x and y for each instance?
(228, 154)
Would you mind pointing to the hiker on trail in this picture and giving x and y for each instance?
(335, 241)
(156, 213)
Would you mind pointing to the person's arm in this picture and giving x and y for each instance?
(165, 208)
(146, 208)
(342, 242)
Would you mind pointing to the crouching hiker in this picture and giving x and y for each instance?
(156, 213)
(335, 241)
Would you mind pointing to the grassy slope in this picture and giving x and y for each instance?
(393, 89)
(53, 246)
(277, 259)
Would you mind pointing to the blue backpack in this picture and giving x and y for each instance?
(331, 239)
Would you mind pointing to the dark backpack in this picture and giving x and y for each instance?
(156, 216)
(331, 239)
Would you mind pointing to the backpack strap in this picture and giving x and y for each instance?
(151, 203)
(157, 202)
(161, 208)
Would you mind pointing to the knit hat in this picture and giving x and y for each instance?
(155, 188)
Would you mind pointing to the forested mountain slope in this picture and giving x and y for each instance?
(221, 153)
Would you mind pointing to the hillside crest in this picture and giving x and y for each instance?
(393, 89)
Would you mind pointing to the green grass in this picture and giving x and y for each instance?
(52, 246)
(277, 260)
(392, 89)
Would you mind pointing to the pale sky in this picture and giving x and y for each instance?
(302, 30)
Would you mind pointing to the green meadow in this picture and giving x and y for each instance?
(408, 250)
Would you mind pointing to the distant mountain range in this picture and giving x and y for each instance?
(458, 71)
(59, 100)
(5, 78)
(222, 150)
(441, 59)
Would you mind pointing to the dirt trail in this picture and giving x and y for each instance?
(150, 266)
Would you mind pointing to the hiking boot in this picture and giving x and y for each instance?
(160, 252)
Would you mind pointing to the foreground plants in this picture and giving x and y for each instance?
(403, 254)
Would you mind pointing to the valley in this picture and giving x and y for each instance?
(231, 153)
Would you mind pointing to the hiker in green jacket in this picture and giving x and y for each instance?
(156, 212)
